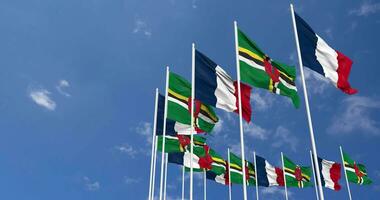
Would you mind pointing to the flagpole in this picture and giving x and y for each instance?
(240, 113)
(166, 174)
(283, 171)
(183, 182)
(256, 176)
(151, 184)
(192, 117)
(313, 145)
(164, 132)
(314, 168)
(229, 176)
(154, 166)
(345, 174)
(204, 185)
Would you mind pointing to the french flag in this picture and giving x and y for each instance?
(330, 171)
(213, 86)
(268, 175)
(320, 57)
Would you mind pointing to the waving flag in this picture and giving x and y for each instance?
(268, 175)
(330, 171)
(202, 158)
(356, 173)
(259, 70)
(236, 171)
(178, 143)
(296, 176)
(213, 86)
(321, 58)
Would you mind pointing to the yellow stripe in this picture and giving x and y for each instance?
(204, 108)
(270, 88)
(254, 55)
(286, 75)
(219, 160)
(178, 96)
(235, 166)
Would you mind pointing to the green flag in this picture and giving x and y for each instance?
(356, 173)
(236, 171)
(258, 70)
(178, 105)
(179, 143)
(296, 176)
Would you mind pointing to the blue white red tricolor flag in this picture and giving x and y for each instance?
(267, 174)
(330, 171)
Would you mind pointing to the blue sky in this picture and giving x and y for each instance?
(77, 88)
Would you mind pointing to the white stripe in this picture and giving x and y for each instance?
(271, 174)
(286, 84)
(187, 159)
(174, 100)
(225, 98)
(328, 58)
(220, 179)
(171, 137)
(182, 129)
(208, 120)
(350, 169)
(326, 166)
(251, 63)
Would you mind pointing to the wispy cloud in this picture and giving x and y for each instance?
(127, 149)
(142, 28)
(366, 8)
(270, 191)
(316, 83)
(62, 85)
(283, 136)
(194, 4)
(130, 180)
(256, 131)
(145, 129)
(91, 185)
(329, 32)
(42, 98)
(262, 100)
(355, 114)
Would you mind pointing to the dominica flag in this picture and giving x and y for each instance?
(259, 70)
(179, 106)
(237, 171)
(356, 173)
(201, 159)
(217, 163)
(296, 176)
(178, 143)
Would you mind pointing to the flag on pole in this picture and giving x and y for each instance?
(321, 58)
(296, 176)
(201, 159)
(216, 88)
(259, 70)
(237, 172)
(330, 172)
(179, 93)
(178, 143)
(356, 173)
(267, 174)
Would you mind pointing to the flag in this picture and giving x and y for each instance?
(201, 158)
(321, 58)
(356, 173)
(237, 171)
(219, 178)
(213, 86)
(267, 175)
(296, 176)
(179, 105)
(330, 171)
(178, 143)
(259, 70)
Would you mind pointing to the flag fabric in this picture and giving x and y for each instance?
(330, 171)
(178, 143)
(202, 159)
(259, 70)
(237, 171)
(296, 176)
(221, 178)
(213, 86)
(356, 173)
(179, 106)
(268, 175)
(321, 58)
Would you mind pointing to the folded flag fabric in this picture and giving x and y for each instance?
(259, 70)
(179, 106)
(321, 58)
(296, 176)
(268, 175)
(356, 173)
(213, 86)
(201, 158)
(237, 171)
(330, 171)
(178, 143)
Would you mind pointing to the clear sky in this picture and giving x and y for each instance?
(77, 81)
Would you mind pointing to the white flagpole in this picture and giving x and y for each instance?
(183, 182)
(164, 133)
(240, 112)
(313, 146)
(204, 185)
(256, 176)
(166, 174)
(192, 117)
(151, 184)
(154, 166)
(345, 174)
(229, 176)
(314, 168)
(283, 171)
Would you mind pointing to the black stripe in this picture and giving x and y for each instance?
(286, 79)
(249, 57)
(183, 101)
(207, 115)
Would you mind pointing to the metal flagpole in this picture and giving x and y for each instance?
(151, 185)
(313, 146)
(256, 176)
(240, 113)
(166, 174)
(229, 176)
(154, 166)
(204, 185)
(164, 132)
(345, 174)
(314, 168)
(192, 117)
(183, 182)
(283, 171)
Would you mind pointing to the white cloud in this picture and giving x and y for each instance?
(127, 149)
(130, 180)
(218, 127)
(366, 8)
(145, 129)
(329, 33)
(142, 27)
(41, 97)
(91, 185)
(356, 115)
(194, 4)
(316, 83)
(266, 191)
(283, 137)
(256, 131)
(261, 101)
(62, 84)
